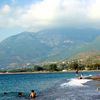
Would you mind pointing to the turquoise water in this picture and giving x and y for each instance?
(47, 85)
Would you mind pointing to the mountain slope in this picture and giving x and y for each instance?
(47, 45)
(21, 49)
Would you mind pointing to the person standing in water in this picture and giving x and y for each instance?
(77, 73)
(32, 94)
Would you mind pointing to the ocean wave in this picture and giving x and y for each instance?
(75, 83)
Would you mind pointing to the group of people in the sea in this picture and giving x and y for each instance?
(32, 95)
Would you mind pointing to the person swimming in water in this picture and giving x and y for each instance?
(32, 94)
(20, 94)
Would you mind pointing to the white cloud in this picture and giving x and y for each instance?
(41, 13)
(94, 11)
(51, 12)
(5, 9)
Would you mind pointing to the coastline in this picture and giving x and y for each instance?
(48, 72)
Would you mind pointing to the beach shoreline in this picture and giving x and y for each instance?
(48, 72)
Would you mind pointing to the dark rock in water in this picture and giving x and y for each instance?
(94, 77)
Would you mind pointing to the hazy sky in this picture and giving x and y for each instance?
(33, 15)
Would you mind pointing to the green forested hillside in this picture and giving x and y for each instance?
(47, 45)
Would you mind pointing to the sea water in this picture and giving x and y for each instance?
(49, 86)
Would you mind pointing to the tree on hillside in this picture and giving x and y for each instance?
(38, 68)
(51, 67)
(97, 66)
(74, 65)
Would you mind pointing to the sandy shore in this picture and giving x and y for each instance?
(49, 72)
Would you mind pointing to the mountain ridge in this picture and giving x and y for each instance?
(47, 45)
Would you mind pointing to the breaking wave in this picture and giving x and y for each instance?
(75, 83)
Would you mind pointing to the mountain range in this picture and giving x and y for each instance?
(47, 45)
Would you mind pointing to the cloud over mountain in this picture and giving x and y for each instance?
(45, 13)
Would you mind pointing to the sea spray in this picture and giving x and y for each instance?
(75, 82)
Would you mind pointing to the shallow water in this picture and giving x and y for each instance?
(49, 86)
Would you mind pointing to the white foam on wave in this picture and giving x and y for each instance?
(75, 82)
